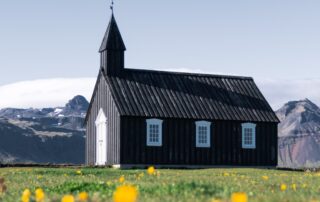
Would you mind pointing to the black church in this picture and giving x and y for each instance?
(141, 117)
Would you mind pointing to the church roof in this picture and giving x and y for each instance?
(162, 94)
(112, 39)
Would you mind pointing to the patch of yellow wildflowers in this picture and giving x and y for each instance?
(79, 172)
(83, 196)
(151, 170)
(121, 179)
(239, 197)
(67, 198)
(283, 187)
(26, 194)
(125, 193)
(39, 195)
(226, 174)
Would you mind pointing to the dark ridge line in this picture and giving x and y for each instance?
(186, 73)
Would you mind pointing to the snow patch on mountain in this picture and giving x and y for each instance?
(46, 135)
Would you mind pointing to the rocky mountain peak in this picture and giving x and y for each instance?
(54, 135)
(297, 108)
(78, 103)
(299, 133)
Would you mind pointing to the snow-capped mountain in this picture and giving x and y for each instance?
(48, 135)
(299, 134)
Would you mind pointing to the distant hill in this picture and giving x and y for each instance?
(48, 135)
(57, 135)
(299, 134)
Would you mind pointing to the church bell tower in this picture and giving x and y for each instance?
(112, 50)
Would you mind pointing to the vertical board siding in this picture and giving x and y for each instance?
(179, 144)
(103, 99)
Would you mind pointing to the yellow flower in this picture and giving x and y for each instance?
(226, 174)
(26, 195)
(67, 198)
(294, 187)
(239, 197)
(83, 196)
(39, 195)
(79, 172)
(125, 193)
(151, 170)
(283, 187)
(265, 177)
(121, 179)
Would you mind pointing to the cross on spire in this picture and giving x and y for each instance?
(111, 6)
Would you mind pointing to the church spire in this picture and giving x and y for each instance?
(112, 49)
(112, 39)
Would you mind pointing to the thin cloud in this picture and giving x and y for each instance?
(44, 92)
(57, 91)
(279, 92)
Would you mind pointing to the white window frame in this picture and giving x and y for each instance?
(157, 122)
(101, 135)
(206, 124)
(252, 127)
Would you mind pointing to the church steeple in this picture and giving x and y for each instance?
(112, 50)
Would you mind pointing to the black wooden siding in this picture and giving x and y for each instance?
(179, 144)
(102, 99)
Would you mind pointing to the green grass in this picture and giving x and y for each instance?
(171, 185)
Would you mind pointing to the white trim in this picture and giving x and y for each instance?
(206, 124)
(101, 118)
(251, 126)
(101, 138)
(157, 122)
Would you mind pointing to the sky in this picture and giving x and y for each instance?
(49, 44)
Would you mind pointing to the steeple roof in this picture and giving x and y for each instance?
(112, 39)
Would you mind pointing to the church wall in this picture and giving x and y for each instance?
(103, 99)
(179, 144)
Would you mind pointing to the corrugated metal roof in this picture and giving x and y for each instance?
(184, 95)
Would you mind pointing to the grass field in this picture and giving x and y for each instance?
(166, 185)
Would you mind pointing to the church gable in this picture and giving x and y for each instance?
(102, 101)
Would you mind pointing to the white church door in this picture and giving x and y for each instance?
(101, 142)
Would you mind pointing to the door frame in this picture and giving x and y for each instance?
(101, 135)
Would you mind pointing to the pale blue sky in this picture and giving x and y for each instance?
(60, 38)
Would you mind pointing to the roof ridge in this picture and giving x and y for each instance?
(190, 74)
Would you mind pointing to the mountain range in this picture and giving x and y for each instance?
(57, 135)
(48, 135)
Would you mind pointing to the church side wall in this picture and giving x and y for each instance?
(103, 99)
(179, 144)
